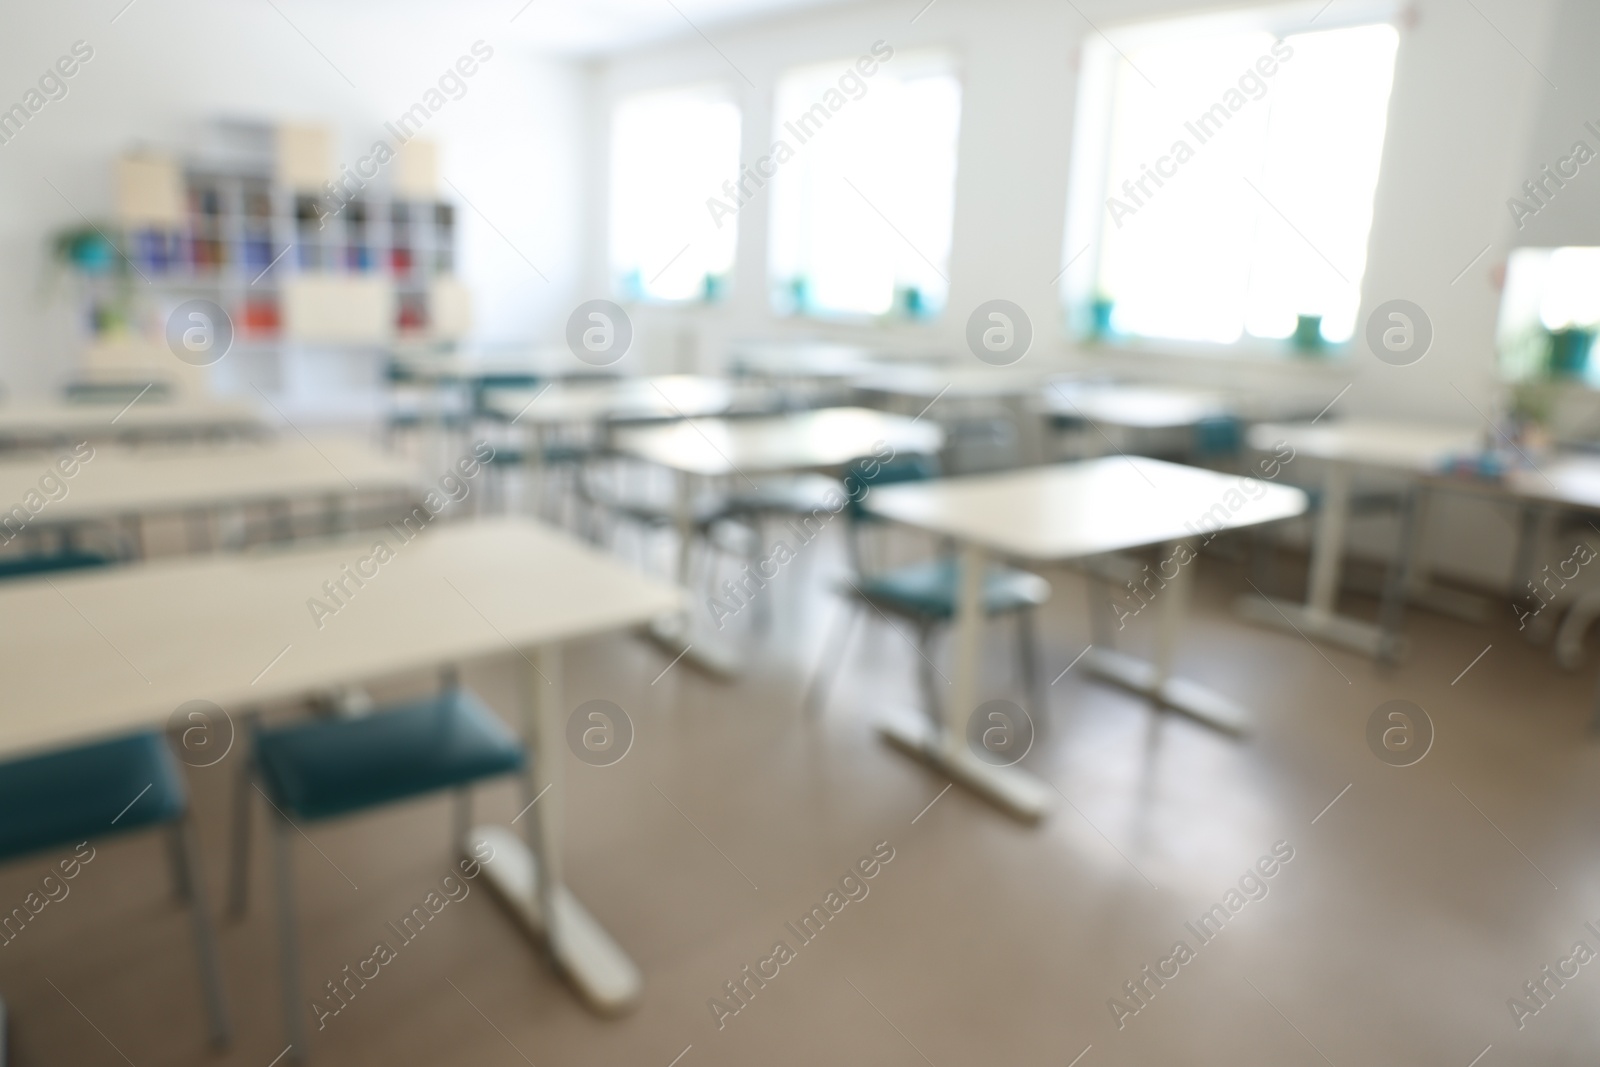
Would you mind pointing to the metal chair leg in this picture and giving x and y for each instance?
(288, 952)
(204, 937)
(1594, 723)
(181, 889)
(462, 812)
(832, 661)
(239, 848)
(930, 695)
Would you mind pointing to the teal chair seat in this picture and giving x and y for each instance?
(329, 767)
(68, 797)
(929, 589)
(71, 795)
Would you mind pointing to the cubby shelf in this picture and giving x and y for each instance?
(243, 235)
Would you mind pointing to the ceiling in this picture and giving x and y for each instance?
(576, 27)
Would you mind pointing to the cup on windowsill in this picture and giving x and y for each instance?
(1308, 334)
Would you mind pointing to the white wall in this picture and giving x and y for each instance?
(512, 144)
(1464, 108)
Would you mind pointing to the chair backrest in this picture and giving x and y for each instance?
(867, 472)
(1217, 437)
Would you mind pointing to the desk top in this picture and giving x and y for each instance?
(963, 380)
(118, 649)
(801, 359)
(665, 397)
(1137, 407)
(1371, 442)
(151, 480)
(1072, 510)
(824, 439)
(464, 367)
(98, 421)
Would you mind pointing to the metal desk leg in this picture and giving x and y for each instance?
(1317, 617)
(944, 748)
(1154, 678)
(676, 632)
(525, 872)
(1391, 613)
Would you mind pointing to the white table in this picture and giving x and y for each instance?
(459, 367)
(1563, 481)
(670, 396)
(1059, 513)
(114, 651)
(958, 381)
(24, 424)
(1132, 407)
(815, 360)
(1410, 449)
(132, 484)
(945, 392)
(825, 440)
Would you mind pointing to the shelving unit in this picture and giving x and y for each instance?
(243, 236)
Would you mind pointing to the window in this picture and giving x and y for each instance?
(862, 204)
(1223, 180)
(1549, 314)
(670, 149)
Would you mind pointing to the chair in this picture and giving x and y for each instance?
(925, 594)
(325, 768)
(77, 794)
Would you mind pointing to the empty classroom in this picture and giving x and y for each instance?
(723, 532)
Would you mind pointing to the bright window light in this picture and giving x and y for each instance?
(1547, 291)
(670, 150)
(861, 212)
(1228, 184)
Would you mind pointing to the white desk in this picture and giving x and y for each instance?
(119, 482)
(963, 381)
(118, 650)
(947, 392)
(669, 396)
(1410, 449)
(456, 367)
(816, 360)
(1565, 481)
(1133, 407)
(1054, 514)
(825, 440)
(24, 424)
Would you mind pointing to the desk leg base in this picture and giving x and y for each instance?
(1205, 706)
(598, 969)
(1468, 607)
(1016, 792)
(1364, 637)
(673, 634)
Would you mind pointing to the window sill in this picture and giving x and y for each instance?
(1253, 367)
(1253, 352)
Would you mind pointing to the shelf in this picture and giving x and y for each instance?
(243, 235)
